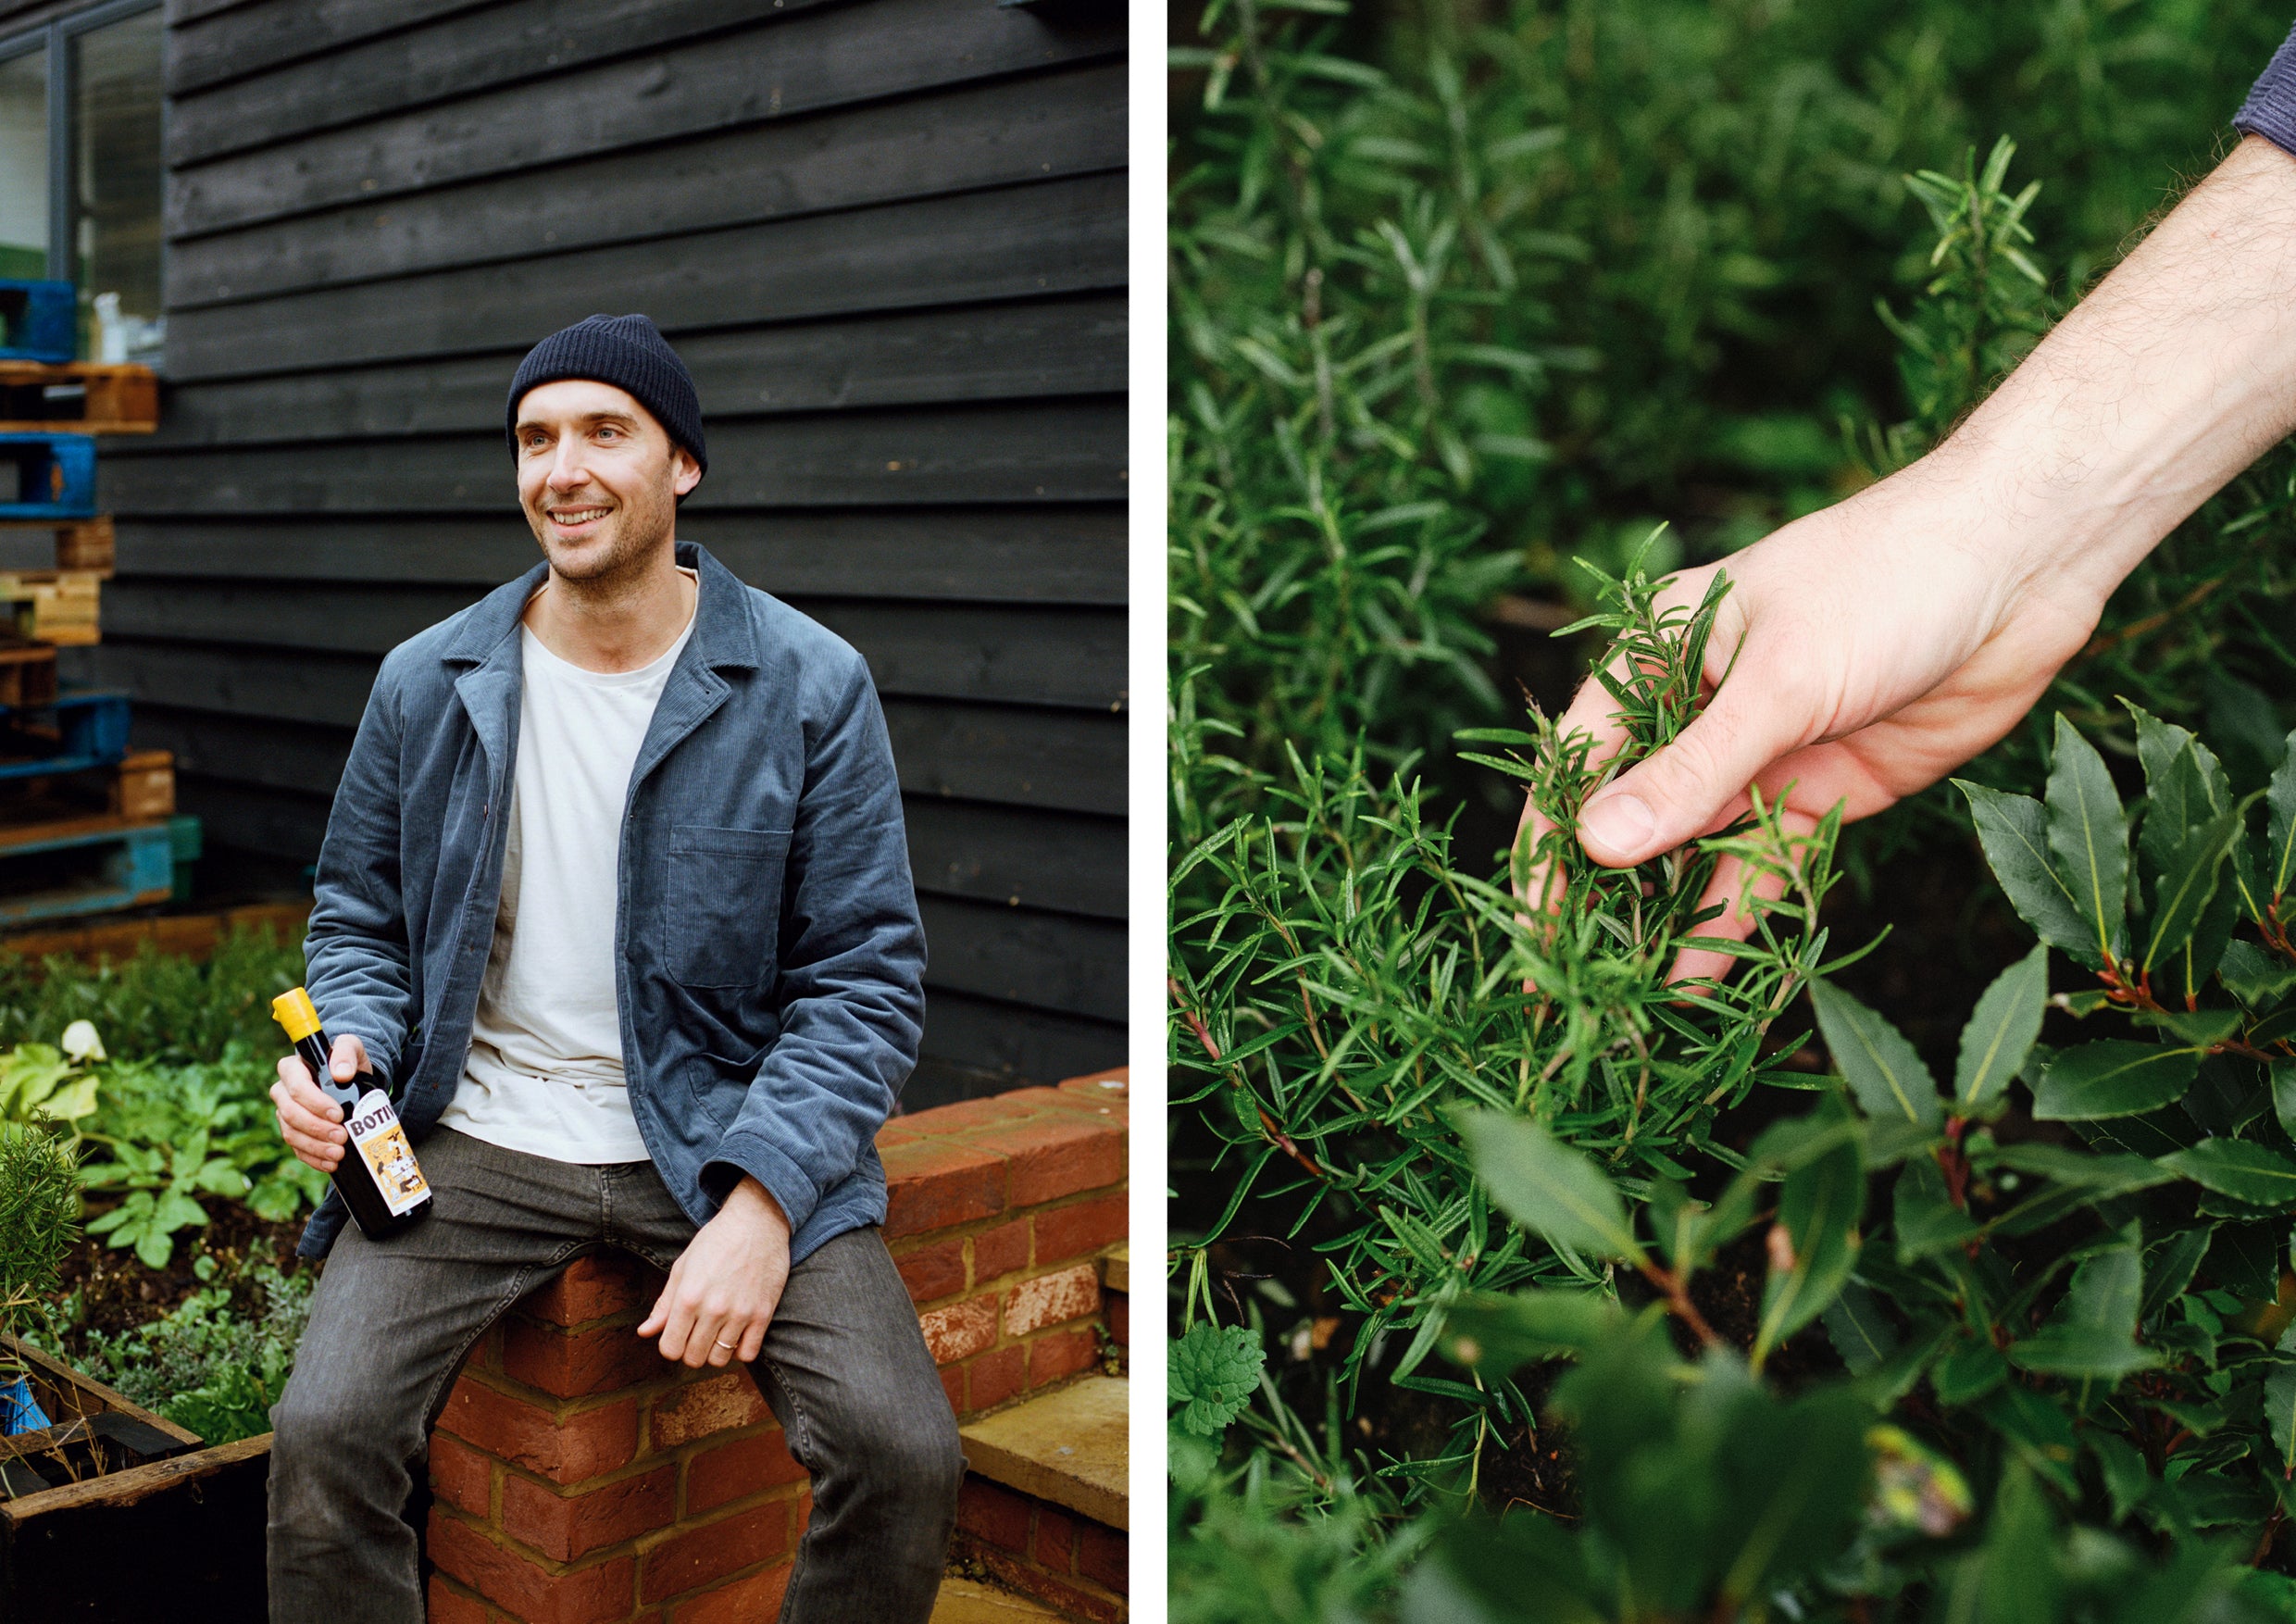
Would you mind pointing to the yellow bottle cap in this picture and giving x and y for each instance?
(295, 1012)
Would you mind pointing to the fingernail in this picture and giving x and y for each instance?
(1617, 823)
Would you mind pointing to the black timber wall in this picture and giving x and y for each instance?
(888, 238)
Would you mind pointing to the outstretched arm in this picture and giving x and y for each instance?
(1884, 640)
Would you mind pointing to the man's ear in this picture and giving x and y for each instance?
(686, 473)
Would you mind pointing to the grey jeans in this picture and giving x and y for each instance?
(843, 1367)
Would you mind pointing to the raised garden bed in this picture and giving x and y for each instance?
(177, 1536)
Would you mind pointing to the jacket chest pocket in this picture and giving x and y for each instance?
(721, 923)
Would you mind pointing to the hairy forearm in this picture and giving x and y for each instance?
(2174, 374)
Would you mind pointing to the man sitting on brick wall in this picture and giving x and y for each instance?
(616, 889)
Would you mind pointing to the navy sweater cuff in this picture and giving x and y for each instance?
(2270, 110)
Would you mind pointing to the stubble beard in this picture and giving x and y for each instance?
(603, 574)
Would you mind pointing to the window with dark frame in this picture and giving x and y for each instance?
(80, 170)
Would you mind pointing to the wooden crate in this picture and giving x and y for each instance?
(143, 785)
(82, 545)
(85, 397)
(27, 673)
(175, 1538)
(53, 605)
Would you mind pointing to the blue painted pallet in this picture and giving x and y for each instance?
(39, 320)
(54, 476)
(91, 866)
(71, 733)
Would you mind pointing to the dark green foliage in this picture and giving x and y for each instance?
(1349, 988)
(39, 1219)
(176, 1132)
(221, 1360)
(1460, 294)
(156, 1006)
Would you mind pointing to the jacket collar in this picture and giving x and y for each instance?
(489, 688)
(722, 631)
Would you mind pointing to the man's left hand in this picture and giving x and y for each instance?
(726, 1285)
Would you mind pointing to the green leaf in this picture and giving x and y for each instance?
(1500, 1334)
(2169, 1266)
(1546, 1186)
(1191, 1460)
(1212, 1373)
(2254, 976)
(2280, 824)
(2284, 1095)
(71, 1102)
(1862, 1334)
(2235, 1167)
(1969, 1373)
(2183, 779)
(2088, 836)
(2098, 1175)
(2093, 1334)
(1817, 1211)
(1885, 1074)
(2013, 832)
(1925, 1219)
(2128, 1481)
(2188, 883)
(2280, 1403)
(155, 1248)
(2114, 1078)
(2000, 1035)
(2201, 1028)
(2185, 977)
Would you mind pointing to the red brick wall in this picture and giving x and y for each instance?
(1029, 1545)
(580, 1479)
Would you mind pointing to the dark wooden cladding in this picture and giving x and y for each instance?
(1008, 755)
(1055, 450)
(1051, 555)
(1046, 961)
(972, 352)
(806, 63)
(207, 48)
(1059, 236)
(1015, 653)
(888, 236)
(1010, 1040)
(1007, 857)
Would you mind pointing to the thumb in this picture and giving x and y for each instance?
(350, 1052)
(1678, 792)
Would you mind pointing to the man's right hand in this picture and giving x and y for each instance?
(308, 1121)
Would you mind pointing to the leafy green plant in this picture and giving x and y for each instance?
(178, 1132)
(39, 1213)
(221, 1360)
(1705, 1495)
(155, 1004)
(1350, 987)
(38, 1082)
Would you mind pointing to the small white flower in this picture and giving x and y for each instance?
(81, 1041)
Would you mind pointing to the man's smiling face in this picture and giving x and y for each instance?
(598, 477)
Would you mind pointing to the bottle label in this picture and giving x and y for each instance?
(376, 1130)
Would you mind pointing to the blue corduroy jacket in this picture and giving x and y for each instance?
(769, 961)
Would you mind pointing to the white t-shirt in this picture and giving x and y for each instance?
(544, 1072)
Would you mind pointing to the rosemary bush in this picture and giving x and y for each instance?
(1461, 295)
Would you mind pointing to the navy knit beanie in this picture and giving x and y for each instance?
(628, 352)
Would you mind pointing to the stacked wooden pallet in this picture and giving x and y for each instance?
(86, 826)
(51, 409)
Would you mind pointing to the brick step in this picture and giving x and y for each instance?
(1044, 1507)
(967, 1601)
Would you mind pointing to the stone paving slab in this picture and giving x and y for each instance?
(1068, 1446)
(967, 1601)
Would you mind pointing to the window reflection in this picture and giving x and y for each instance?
(116, 187)
(24, 165)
